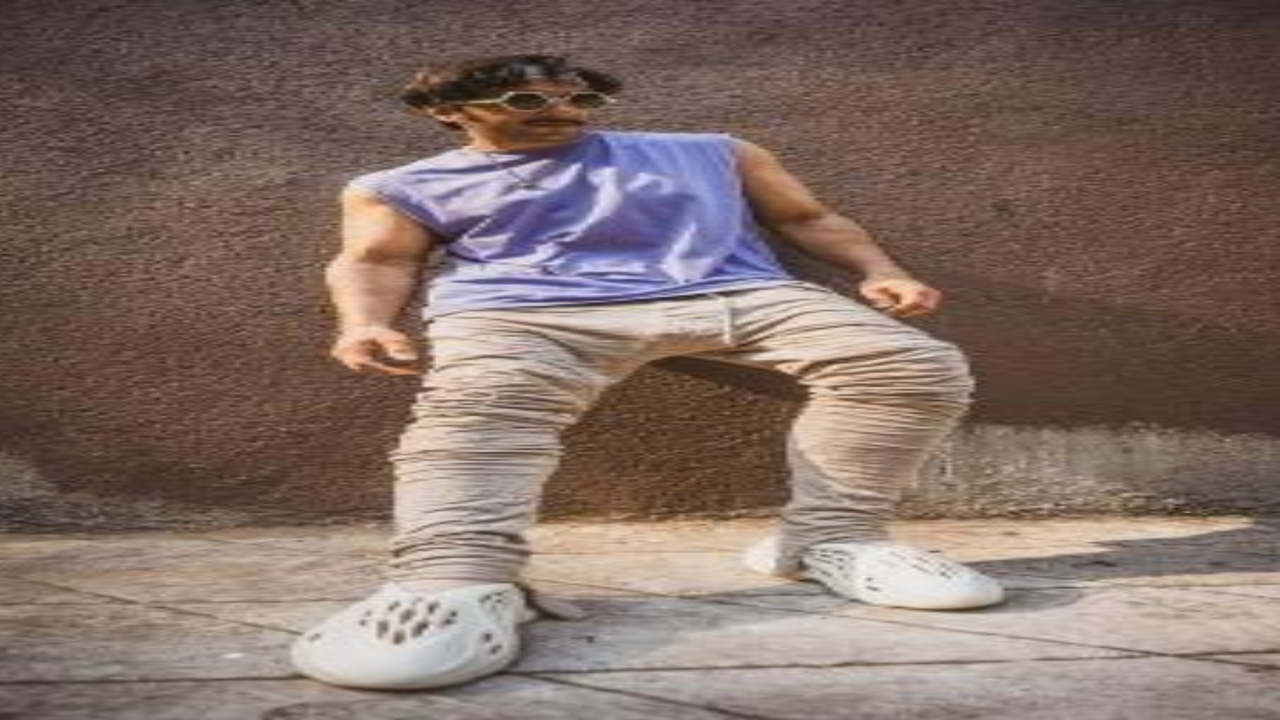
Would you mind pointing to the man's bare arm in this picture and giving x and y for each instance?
(783, 204)
(370, 281)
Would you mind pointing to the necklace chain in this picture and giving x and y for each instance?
(522, 182)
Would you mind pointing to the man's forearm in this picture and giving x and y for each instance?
(842, 242)
(370, 294)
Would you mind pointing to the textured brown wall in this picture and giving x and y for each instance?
(1092, 183)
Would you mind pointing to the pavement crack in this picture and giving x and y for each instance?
(820, 666)
(651, 698)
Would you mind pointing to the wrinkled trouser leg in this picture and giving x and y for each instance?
(486, 435)
(883, 395)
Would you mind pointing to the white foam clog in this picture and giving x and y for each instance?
(400, 640)
(886, 573)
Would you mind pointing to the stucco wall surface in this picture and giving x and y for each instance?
(1091, 183)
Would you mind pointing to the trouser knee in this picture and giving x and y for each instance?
(944, 372)
(937, 373)
(510, 409)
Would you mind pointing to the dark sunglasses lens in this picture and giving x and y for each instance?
(588, 100)
(526, 101)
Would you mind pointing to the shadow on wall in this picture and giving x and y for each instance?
(287, 428)
(1067, 362)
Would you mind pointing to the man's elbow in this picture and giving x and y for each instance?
(803, 220)
(373, 260)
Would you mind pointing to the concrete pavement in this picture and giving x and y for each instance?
(1108, 618)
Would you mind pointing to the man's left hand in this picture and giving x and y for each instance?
(900, 297)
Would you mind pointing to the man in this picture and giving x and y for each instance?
(571, 257)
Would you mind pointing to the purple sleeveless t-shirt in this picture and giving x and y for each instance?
(616, 215)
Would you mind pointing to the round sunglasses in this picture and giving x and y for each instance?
(530, 100)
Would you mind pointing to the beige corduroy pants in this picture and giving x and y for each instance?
(504, 384)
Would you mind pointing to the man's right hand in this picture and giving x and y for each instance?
(377, 350)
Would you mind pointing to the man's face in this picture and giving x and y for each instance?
(556, 123)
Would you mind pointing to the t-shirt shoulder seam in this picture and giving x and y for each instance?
(419, 164)
(678, 137)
